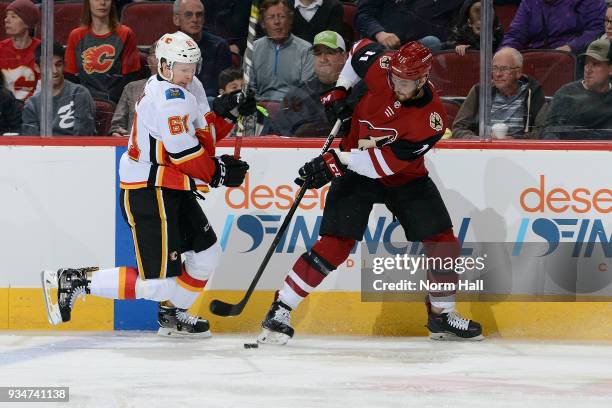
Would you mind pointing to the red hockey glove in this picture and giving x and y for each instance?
(321, 170)
(336, 107)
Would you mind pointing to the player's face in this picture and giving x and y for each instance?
(406, 88)
(13, 24)
(276, 23)
(596, 74)
(190, 19)
(328, 63)
(100, 8)
(183, 73)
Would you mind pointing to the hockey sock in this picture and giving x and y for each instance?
(443, 246)
(312, 267)
(186, 290)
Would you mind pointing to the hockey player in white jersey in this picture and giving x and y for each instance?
(170, 146)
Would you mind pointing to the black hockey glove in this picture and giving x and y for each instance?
(233, 104)
(405, 150)
(321, 170)
(230, 172)
(336, 107)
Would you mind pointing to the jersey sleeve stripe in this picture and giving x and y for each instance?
(361, 163)
(380, 160)
(186, 155)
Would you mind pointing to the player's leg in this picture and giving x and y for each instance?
(345, 218)
(420, 209)
(201, 253)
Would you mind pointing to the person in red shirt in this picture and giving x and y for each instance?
(381, 161)
(101, 53)
(17, 51)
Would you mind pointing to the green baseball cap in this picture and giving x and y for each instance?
(329, 39)
(598, 49)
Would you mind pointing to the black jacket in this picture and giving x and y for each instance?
(328, 17)
(10, 112)
(461, 32)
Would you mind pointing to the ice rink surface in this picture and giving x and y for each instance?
(144, 370)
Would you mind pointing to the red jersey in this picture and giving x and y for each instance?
(101, 61)
(380, 114)
(19, 68)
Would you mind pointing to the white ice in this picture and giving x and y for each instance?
(144, 370)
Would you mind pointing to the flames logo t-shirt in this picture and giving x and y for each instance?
(101, 61)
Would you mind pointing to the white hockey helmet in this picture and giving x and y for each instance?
(177, 47)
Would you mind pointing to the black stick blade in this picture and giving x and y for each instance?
(223, 309)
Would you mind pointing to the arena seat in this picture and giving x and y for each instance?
(348, 25)
(104, 116)
(451, 107)
(505, 13)
(453, 74)
(551, 68)
(66, 17)
(149, 20)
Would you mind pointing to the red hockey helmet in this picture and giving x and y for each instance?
(412, 61)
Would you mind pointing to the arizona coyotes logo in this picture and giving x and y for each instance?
(435, 121)
(98, 59)
(381, 135)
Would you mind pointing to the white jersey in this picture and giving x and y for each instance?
(169, 139)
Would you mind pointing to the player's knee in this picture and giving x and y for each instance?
(333, 250)
(200, 265)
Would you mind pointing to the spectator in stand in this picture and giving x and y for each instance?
(101, 53)
(280, 59)
(73, 108)
(607, 35)
(10, 111)
(567, 25)
(124, 111)
(393, 23)
(314, 16)
(17, 51)
(516, 99)
(189, 18)
(583, 109)
(465, 34)
(302, 113)
(231, 80)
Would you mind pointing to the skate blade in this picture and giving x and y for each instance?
(49, 282)
(453, 337)
(268, 336)
(167, 332)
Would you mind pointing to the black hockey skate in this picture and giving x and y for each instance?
(276, 327)
(174, 321)
(70, 284)
(451, 326)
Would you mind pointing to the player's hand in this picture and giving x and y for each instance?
(228, 105)
(388, 40)
(248, 106)
(230, 171)
(461, 49)
(321, 170)
(336, 107)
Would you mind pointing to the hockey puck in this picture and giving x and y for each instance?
(251, 345)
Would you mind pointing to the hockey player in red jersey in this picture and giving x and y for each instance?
(171, 146)
(397, 121)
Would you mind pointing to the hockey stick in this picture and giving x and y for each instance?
(224, 309)
(246, 76)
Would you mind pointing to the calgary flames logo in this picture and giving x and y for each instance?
(98, 59)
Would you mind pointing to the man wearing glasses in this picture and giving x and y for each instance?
(517, 99)
(280, 59)
(189, 18)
